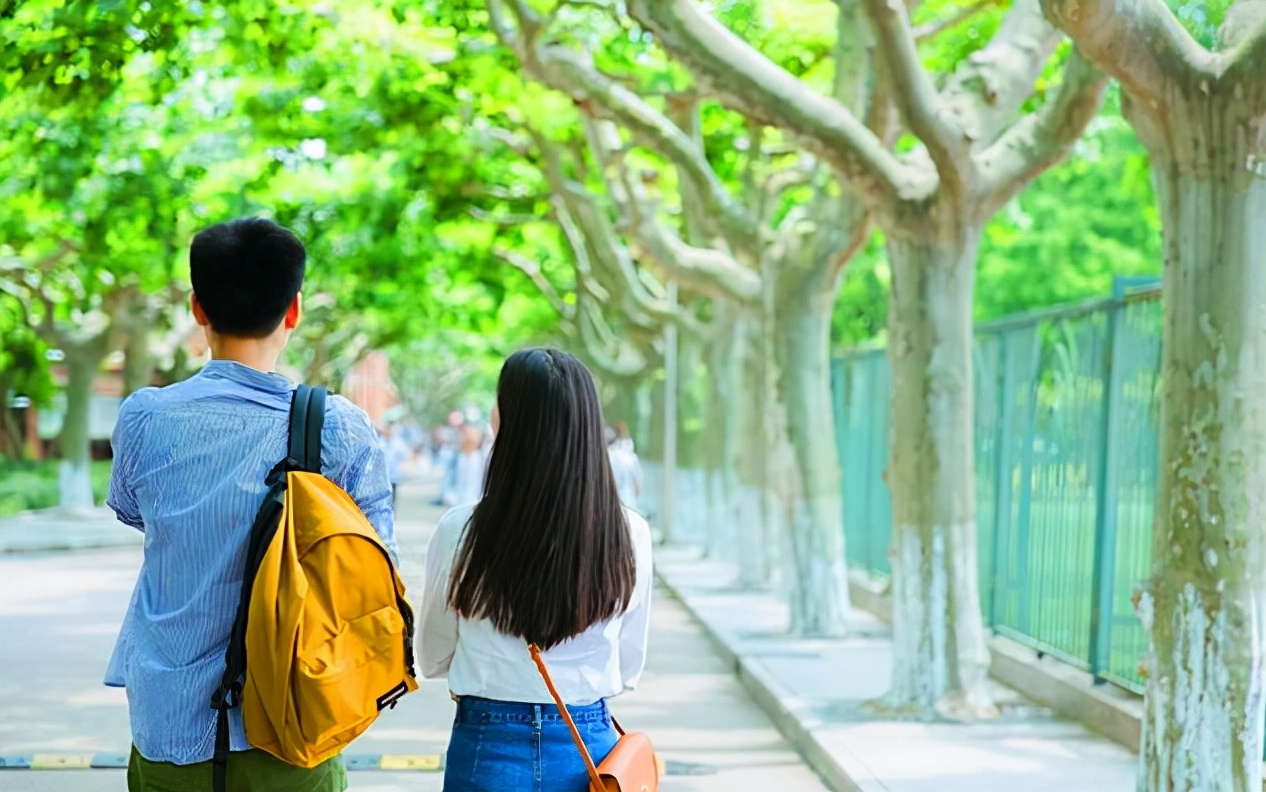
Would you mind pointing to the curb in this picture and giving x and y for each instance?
(57, 529)
(1070, 692)
(782, 708)
(108, 761)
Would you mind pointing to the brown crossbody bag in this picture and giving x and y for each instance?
(630, 767)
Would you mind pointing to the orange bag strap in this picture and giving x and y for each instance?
(595, 780)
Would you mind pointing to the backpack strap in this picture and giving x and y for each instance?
(307, 416)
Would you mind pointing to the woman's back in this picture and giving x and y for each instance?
(547, 557)
(603, 661)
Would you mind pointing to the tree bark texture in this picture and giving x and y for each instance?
(818, 579)
(756, 526)
(1205, 607)
(940, 656)
(83, 363)
(138, 362)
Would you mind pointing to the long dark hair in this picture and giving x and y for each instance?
(547, 553)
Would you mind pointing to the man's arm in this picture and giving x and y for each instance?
(352, 458)
(126, 443)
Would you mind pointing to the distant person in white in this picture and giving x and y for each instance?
(470, 466)
(626, 468)
(550, 557)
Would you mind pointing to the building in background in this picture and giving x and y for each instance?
(368, 385)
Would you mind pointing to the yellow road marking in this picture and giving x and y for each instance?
(61, 761)
(410, 762)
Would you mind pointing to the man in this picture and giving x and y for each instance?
(189, 467)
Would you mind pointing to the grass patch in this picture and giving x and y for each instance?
(33, 485)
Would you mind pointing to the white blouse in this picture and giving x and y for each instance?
(603, 661)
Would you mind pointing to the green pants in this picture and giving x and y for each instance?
(249, 771)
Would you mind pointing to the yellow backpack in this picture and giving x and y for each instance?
(323, 638)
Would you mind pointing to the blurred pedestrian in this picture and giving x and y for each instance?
(625, 467)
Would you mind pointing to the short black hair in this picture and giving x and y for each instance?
(245, 274)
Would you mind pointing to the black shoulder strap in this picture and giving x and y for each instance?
(307, 416)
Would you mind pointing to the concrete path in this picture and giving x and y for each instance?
(815, 690)
(59, 613)
(64, 529)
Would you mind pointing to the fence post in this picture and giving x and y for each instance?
(1024, 517)
(1002, 472)
(1105, 559)
(839, 403)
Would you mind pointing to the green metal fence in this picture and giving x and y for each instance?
(1066, 463)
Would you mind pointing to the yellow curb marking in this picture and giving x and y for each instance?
(409, 762)
(61, 761)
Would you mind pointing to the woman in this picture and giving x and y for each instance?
(549, 557)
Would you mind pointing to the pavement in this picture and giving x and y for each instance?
(60, 612)
(57, 529)
(815, 691)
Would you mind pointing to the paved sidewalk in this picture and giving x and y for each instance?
(60, 529)
(61, 612)
(815, 690)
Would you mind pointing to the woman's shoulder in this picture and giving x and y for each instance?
(639, 529)
(448, 531)
(455, 519)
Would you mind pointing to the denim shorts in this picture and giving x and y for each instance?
(504, 745)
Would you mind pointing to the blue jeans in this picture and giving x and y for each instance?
(504, 745)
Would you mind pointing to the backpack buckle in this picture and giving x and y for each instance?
(227, 698)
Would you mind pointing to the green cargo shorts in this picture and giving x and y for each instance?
(249, 771)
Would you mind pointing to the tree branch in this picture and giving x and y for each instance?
(1137, 42)
(567, 71)
(931, 30)
(988, 88)
(594, 241)
(503, 220)
(858, 240)
(749, 82)
(915, 95)
(1043, 137)
(533, 270)
(598, 339)
(708, 270)
(1245, 35)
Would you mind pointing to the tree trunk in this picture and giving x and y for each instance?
(940, 658)
(653, 448)
(138, 362)
(756, 515)
(10, 431)
(818, 582)
(1206, 605)
(728, 405)
(717, 425)
(83, 363)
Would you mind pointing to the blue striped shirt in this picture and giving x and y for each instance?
(189, 467)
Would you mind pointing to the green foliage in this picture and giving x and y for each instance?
(1062, 240)
(861, 310)
(1076, 227)
(354, 123)
(1202, 18)
(23, 365)
(33, 485)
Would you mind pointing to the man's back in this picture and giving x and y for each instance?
(190, 462)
